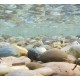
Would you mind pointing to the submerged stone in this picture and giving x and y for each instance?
(34, 65)
(23, 72)
(8, 51)
(53, 55)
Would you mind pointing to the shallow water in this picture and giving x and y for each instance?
(33, 20)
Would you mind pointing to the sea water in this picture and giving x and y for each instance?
(34, 20)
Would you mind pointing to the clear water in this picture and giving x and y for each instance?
(33, 20)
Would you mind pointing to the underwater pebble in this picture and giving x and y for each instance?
(63, 68)
(8, 51)
(23, 51)
(12, 68)
(46, 71)
(4, 69)
(34, 65)
(14, 60)
(53, 55)
(23, 72)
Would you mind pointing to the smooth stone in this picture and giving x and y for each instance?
(46, 71)
(75, 50)
(34, 65)
(18, 67)
(40, 50)
(23, 72)
(14, 60)
(23, 51)
(53, 55)
(4, 69)
(63, 68)
(32, 54)
(8, 51)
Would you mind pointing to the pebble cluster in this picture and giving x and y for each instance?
(39, 56)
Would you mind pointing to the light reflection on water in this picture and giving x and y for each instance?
(34, 20)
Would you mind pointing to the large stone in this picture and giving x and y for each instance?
(46, 71)
(53, 55)
(63, 68)
(23, 72)
(8, 51)
(15, 61)
(34, 53)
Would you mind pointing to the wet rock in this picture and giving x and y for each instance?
(46, 71)
(23, 72)
(4, 69)
(53, 55)
(34, 53)
(23, 51)
(63, 68)
(15, 61)
(18, 67)
(34, 65)
(8, 51)
(40, 50)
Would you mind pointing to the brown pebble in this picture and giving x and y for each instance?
(34, 65)
(53, 55)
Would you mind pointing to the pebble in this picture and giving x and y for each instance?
(23, 72)
(23, 51)
(53, 55)
(46, 71)
(4, 69)
(34, 65)
(15, 60)
(8, 51)
(63, 68)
